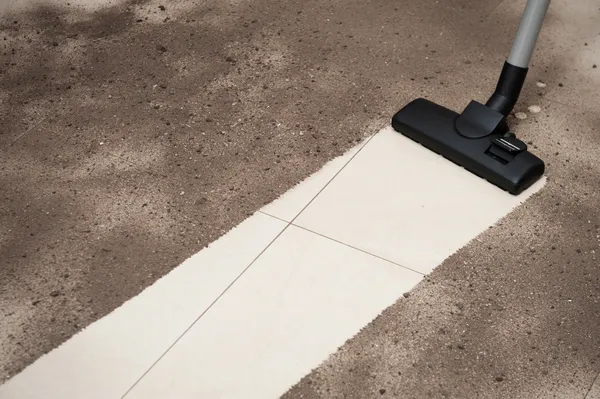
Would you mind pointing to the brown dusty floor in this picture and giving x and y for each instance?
(131, 137)
(127, 143)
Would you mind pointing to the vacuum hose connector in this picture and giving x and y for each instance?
(515, 69)
(508, 89)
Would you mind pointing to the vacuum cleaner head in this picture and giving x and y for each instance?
(478, 140)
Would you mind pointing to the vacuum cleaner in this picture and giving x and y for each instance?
(479, 139)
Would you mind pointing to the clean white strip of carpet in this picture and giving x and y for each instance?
(383, 215)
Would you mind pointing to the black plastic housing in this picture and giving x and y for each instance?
(435, 127)
(508, 89)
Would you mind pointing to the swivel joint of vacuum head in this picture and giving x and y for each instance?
(508, 89)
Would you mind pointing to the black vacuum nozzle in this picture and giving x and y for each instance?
(478, 140)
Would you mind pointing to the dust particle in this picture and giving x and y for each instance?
(499, 378)
(382, 391)
(560, 85)
(406, 294)
(161, 7)
(161, 48)
(594, 66)
(55, 293)
(521, 115)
